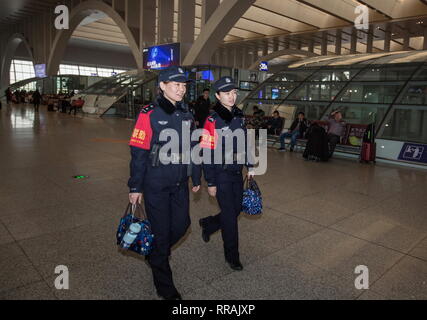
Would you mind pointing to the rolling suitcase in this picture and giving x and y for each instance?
(367, 153)
(368, 149)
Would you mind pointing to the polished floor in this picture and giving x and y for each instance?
(321, 221)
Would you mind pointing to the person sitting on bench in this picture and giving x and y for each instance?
(275, 124)
(297, 130)
(336, 129)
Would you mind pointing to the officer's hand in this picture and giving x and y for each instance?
(212, 191)
(135, 198)
(251, 174)
(196, 188)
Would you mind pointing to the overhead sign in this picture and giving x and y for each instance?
(162, 56)
(263, 66)
(40, 70)
(414, 152)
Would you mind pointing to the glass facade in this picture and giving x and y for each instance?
(392, 95)
(21, 70)
(66, 69)
(24, 69)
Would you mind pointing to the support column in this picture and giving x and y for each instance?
(387, 38)
(324, 47)
(240, 58)
(120, 7)
(165, 21)
(406, 40)
(235, 57)
(230, 58)
(425, 42)
(46, 40)
(353, 47)
(132, 17)
(275, 45)
(147, 23)
(265, 49)
(186, 13)
(208, 7)
(370, 39)
(338, 42)
(311, 45)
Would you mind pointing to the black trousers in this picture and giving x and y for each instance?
(36, 106)
(333, 140)
(168, 212)
(229, 196)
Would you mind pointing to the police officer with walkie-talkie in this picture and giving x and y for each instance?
(164, 185)
(225, 181)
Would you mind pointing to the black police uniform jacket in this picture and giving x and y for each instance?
(221, 119)
(145, 171)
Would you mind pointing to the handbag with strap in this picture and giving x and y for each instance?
(134, 231)
(252, 199)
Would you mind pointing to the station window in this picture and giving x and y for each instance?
(68, 69)
(88, 71)
(21, 70)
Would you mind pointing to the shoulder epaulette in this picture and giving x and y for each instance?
(147, 108)
(212, 116)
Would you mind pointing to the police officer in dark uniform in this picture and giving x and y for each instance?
(225, 180)
(161, 173)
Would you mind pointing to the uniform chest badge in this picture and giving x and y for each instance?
(163, 123)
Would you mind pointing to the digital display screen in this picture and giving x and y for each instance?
(274, 93)
(247, 85)
(40, 70)
(162, 56)
(205, 75)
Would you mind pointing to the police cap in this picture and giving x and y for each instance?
(225, 84)
(173, 73)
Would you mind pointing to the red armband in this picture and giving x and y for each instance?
(209, 136)
(142, 133)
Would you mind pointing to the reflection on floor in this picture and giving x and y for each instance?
(321, 221)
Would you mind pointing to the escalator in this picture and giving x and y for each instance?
(120, 95)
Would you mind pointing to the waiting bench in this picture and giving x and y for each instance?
(350, 142)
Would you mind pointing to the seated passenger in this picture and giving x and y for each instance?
(275, 124)
(336, 130)
(297, 130)
(258, 120)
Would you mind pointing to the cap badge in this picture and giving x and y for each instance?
(227, 80)
(180, 70)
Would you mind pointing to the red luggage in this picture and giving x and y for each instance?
(367, 152)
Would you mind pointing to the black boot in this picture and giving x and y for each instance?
(175, 296)
(235, 265)
(205, 235)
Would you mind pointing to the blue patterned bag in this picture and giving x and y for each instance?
(252, 199)
(143, 242)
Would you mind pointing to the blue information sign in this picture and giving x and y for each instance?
(414, 152)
